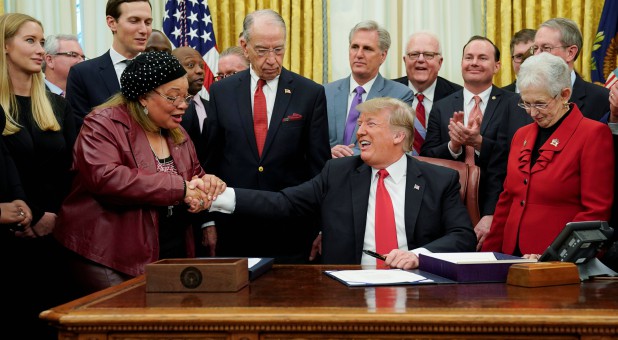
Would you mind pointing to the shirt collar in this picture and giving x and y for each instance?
(428, 93)
(53, 88)
(367, 86)
(255, 78)
(116, 57)
(468, 96)
(396, 170)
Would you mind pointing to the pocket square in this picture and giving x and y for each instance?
(292, 117)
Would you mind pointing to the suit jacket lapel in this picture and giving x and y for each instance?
(341, 105)
(458, 105)
(285, 91)
(579, 93)
(415, 187)
(245, 110)
(108, 74)
(360, 182)
(494, 99)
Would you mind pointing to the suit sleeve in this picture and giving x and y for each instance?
(318, 145)
(77, 95)
(458, 232)
(213, 138)
(597, 177)
(304, 199)
(434, 145)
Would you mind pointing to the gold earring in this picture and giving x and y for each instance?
(565, 105)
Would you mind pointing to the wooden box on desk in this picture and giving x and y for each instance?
(542, 274)
(197, 275)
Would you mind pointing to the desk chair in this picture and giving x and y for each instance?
(469, 177)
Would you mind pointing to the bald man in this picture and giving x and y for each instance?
(158, 41)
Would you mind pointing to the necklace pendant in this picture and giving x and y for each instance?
(170, 210)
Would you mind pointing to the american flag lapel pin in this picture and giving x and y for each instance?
(287, 91)
(417, 187)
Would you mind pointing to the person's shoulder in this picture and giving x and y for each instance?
(431, 169)
(298, 79)
(91, 64)
(447, 84)
(335, 84)
(402, 80)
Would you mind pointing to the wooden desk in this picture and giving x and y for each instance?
(300, 302)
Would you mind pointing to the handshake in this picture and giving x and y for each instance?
(202, 191)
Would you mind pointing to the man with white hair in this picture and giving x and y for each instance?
(423, 59)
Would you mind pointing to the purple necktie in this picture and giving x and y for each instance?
(350, 124)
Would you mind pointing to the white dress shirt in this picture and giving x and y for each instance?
(269, 89)
(468, 106)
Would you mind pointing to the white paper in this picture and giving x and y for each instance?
(377, 276)
(252, 261)
(474, 257)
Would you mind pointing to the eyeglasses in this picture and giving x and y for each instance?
(537, 106)
(221, 76)
(262, 52)
(533, 48)
(174, 100)
(427, 55)
(519, 58)
(71, 55)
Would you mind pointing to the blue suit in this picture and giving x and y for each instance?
(337, 107)
(91, 83)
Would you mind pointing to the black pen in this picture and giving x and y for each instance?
(374, 254)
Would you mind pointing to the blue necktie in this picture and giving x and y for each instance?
(350, 124)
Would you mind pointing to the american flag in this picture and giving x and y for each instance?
(188, 23)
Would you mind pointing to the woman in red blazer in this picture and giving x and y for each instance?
(560, 168)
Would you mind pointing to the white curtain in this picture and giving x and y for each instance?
(453, 21)
(57, 16)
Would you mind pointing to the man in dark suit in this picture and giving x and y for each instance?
(94, 81)
(269, 131)
(561, 37)
(456, 132)
(423, 59)
(427, 211)
(520, 50)
(369, 44)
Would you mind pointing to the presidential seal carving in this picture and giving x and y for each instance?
(191, 277)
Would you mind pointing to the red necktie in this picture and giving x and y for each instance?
(476, 112)
(260, 117)
(386, 233)
(420, 127)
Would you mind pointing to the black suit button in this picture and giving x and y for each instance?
(522, 203)
(525, 181)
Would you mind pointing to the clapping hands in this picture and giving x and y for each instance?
(202, 191)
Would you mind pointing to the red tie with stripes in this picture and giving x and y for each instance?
(385, 230)
(420, 129)
(476, 112)
(260, 117)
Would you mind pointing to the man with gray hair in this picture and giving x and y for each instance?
(267, 130)
(231, 61)
(62, 51)
(369, 44)
(561, 37)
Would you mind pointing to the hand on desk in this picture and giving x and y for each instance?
(401, 259)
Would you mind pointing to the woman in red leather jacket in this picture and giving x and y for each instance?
(135, 168)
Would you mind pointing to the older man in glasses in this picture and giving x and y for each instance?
(62, 51)
(423, 59)
(268, 130)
